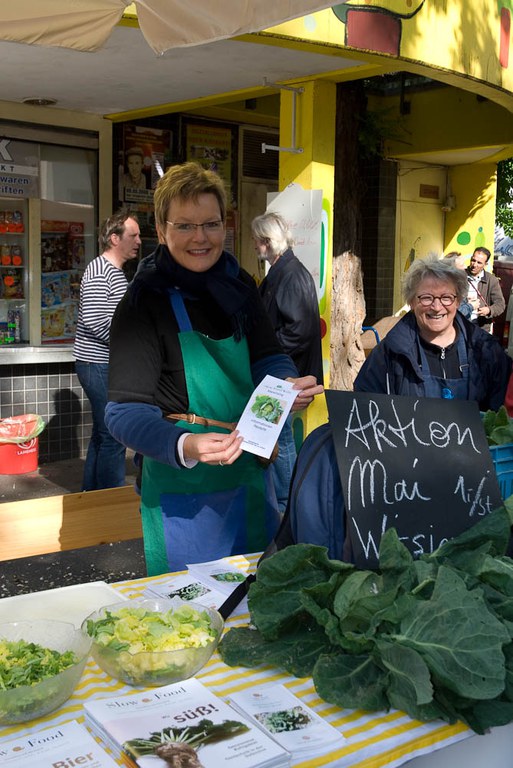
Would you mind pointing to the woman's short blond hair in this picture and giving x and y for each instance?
(187, 182)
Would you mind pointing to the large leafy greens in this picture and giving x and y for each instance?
(432, 637)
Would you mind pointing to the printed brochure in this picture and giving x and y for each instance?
(288, 720)
(264, 416)
(208, 584)
(184, 722)
(218, 574)
(63, 746)
(188, 588)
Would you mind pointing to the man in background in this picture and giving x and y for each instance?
(102, 287)
(290, 298)
(484, 290)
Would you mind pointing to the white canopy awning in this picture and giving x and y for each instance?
(85, 25)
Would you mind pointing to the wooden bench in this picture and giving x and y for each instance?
(71, 521)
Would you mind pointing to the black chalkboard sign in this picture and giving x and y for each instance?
(419, 465)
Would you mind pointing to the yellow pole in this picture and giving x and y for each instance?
(313, 168)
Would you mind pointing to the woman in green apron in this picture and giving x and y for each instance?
(190, 341)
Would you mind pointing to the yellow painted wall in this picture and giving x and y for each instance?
(468, 37)
(472, 223)
(445, 118)
(419, 217)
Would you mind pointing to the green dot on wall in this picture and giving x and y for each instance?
(463, 238)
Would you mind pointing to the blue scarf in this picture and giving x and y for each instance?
(159, 271)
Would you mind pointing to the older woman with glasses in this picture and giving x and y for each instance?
(189, 343)
(433, 351)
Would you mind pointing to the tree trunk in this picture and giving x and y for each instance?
(349, 180)
(347, 315)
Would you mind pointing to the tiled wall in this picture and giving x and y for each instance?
(52, 391)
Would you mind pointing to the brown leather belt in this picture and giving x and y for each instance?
(193, 418)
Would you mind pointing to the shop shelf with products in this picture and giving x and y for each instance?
(68, 244)
(13, 272)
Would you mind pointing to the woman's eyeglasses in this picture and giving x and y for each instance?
(186, 228)
(427, 299)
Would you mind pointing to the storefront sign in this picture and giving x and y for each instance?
(19, 169)
(419, 465)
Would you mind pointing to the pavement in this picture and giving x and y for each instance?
(114, 562)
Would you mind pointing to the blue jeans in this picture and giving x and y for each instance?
(281, 468)
(105, 460)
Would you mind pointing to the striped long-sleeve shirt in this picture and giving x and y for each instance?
(103, 286)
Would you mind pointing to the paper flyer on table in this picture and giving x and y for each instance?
(288, 720)
(62, 746)
(181, 724)
(186, 587)
(265, 414)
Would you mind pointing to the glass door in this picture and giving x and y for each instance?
(68, 236)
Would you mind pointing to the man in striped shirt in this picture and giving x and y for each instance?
(103, 286)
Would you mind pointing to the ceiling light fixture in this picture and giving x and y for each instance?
(40, 102)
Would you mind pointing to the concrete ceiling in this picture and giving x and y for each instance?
(126, 75)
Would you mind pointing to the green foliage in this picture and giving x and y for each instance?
(432, 637)
(375, 128)
(503, 211)
(498, 427)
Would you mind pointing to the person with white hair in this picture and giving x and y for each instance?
(290, 298)
(433, 351)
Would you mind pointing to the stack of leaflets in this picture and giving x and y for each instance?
(288, 720)
(218, 574)
(181, 724)
(208, 584)
(62, 746)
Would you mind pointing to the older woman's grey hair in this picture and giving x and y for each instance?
(436, 269)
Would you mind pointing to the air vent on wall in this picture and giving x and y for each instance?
(255, 163)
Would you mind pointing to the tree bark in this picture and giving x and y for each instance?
(347, 315)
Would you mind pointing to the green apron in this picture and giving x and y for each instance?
(207, 512)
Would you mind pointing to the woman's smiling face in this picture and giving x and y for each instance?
(435, 319)
(200, 249)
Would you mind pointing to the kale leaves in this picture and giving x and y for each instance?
(432, 637)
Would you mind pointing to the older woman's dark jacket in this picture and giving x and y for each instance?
(393, 367)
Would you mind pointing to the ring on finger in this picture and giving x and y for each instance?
(221, 464)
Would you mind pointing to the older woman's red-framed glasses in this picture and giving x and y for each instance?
(446, 300)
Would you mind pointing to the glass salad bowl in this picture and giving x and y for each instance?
(153, 642)
(41, 663)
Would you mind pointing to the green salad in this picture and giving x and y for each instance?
(137, 629)
(24, 663)
(147, 647)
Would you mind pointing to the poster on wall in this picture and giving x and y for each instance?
(141, 163)
(211, 147)
(302, 210)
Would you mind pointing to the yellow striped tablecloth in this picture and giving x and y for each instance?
(373, 740)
